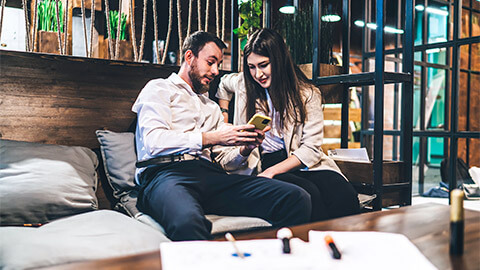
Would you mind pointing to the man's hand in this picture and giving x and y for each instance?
(231, 135)
(247, 149)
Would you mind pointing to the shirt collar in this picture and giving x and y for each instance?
(178, 81)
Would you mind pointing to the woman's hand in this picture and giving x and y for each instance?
(292, 163)
(267, 173)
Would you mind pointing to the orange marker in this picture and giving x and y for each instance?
(335, 253)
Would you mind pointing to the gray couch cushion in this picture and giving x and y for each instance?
(42, 182)
(94, 235)
(119, 160)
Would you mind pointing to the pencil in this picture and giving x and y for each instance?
(231, 239)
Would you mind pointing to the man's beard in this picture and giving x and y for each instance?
(195, 77)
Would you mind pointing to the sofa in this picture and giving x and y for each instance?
(67, 162)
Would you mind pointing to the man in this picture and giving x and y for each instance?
(177, 128)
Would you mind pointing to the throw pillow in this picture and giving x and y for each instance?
(119, 157)
(118, 153)
(41, 182)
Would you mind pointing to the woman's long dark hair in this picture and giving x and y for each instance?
(286, 78)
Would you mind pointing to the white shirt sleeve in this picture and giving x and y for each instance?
(157, 132)
(228, 85)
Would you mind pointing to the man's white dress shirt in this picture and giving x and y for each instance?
(171, 119)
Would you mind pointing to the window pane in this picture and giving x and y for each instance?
(475, 57)
(435, 99)
(465, 23)
(391, 147)
(474, 102)
(475, 24)
(415, 167)
(392, 105)
(468, 151)
(464, 56)
(417, 84)
(462, 101)
(427, 155)
(419, 13)
(437, 23)
(434, 156)
(474, 157)
(476, 5)
(437, 56)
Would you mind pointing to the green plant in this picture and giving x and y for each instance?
(251, 13)
(114, 22)
(47, 16)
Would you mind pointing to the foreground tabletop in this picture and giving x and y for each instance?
(425, 225)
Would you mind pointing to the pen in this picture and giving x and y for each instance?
(231, 239)
(32, 224)
(285, 234)
(335, 253)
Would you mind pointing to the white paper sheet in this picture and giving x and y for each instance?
(370, 250)
(264, 254)
(353, 154)
(360, 250)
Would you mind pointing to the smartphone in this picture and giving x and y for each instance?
(260, 121)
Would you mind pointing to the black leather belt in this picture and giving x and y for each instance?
(165, 159)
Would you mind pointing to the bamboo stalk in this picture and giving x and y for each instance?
(132, 27)
(144, 24)
(155, 28)
(117, 38)
(109, 39)
(58, 28)
(65, 28)
(167, 41)
(92, 23)
(84, 28)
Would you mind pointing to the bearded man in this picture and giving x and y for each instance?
(180, 131)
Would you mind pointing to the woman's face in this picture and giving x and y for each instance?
(260, 69)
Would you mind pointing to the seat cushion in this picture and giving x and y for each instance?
(42, 182)
(119, 158)
(94, 235)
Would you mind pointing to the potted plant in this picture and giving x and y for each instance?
(125, 51)
(47, 26)
(250, 12)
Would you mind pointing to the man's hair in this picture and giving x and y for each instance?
(196, 41)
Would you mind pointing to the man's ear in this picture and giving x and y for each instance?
(189, 57)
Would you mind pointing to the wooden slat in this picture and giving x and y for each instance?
(354, 114)
(63, 100)
(331, 146)
(363, 172)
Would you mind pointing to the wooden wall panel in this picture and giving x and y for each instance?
(63, 100)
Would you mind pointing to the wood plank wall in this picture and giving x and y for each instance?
(63, 100)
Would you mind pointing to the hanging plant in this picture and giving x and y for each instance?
(114, 22)
(47, 16)
(251, 14)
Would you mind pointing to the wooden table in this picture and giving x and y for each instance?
(426, 225)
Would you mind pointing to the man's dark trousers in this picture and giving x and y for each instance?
(179, 194)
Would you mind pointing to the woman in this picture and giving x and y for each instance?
(291, 151)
